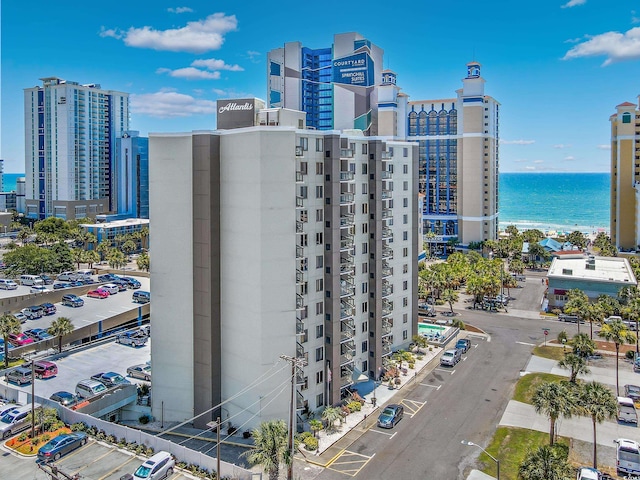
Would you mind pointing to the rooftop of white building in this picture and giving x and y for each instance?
(118, 223)
(597, 269)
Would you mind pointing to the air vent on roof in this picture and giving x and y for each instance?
(567, 271)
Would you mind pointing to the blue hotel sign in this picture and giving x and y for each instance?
(354, 70)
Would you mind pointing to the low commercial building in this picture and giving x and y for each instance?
(593, 275)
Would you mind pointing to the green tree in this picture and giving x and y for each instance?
(618, 333)
(553, 400)
(582, 345)
(54, 227)
(103, 248)
(546, 463)
(91, 257)
(576, 364)
(599, 403)
(8, 325)
(60, 327)
(129, 247)
(78, 256)
(537, 251)
(330, 415)
(315, 426)
(450, 296)
(578, 239)
(532, 236)
(116, 258)
(577, 304)
(512, 230)
(271, 447)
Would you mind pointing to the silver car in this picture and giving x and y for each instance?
(450, 357)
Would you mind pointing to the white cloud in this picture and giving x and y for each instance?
(538, 161)
(562, 145)
(168, 104)
(231, 93)
(616, 46)
(180, 10)
(215, 64)
(196, 37)
(111, 32)
(529, 168)
(190, 73)
(574, 3)
(252, 54)
(569, 158)
(604, 147)
(517, 142)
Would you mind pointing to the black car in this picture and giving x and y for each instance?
(463, 344)
(46, 279)
(87, 281)
(67, 399)
(122, 284)
(107, 277)
(391, 415)
(59, 285)
(49, 308)
(633, 392)
(131, 282)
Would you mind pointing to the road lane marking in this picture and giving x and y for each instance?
(383, 433)
(394, 434)
(432, 386)
(527, 344)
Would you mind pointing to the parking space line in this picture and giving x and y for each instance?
(383, 433)
(450, 372)
(97, 459)
(412, 406)
(437, 387)
(358, 463)
(132, 458)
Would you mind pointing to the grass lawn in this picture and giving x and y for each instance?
(510, 445)
(554, 353)
(528, 384)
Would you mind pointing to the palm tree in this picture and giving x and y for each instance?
(545, 463)
(450, 296)
(330, 415)
(271, 447)
(582, 345)
(553, 400)
(60, 327)
(315, 426)
(599, 403)
(578, 304)
(618, 333)
(8, 325)
(575, 363)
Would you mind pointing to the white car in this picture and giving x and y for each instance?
(111, 288)
(7, 284)
(587, 473)
(38, 289)
(21, 317)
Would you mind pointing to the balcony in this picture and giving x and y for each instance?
(386, 175)
(346, 335)
(299, 277)
(347, 288)
(386, 270)
(346, 219)
(387, 253)
(299, 301)
(346, 242)
(299, 252)
(387, 307)
(300, 202)
(299, 327)
(300, 353)
(347, 312)
(346, 258)
(299, 226)
(386, 327)
(346, 153)
(299, 401)
(386, 194)
(299, 378)
(300, 176)
(347, 198)
(387, 214)
(347, 269)
(346, 375)
(386, 350)
(386, 156)
(347, 176)
(387, 233)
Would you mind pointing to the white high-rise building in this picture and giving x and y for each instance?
(277, 240)
(70, 133)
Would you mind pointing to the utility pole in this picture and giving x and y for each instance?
(33, 397)
(295, 364)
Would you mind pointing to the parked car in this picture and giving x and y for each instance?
(38, 334)
(60, 285)
(131, 282)
(426, 310)
(21, 317)
(9, 345)
(61, 445)
(86, 280)
(633, 392)
(111, 288)
(15, 420)
(97, 293)
(89, 388)
(391, 415)
(450, 357)
(627, 410)
(636, 364)
(140, 296)
(134, 339)
(141, 371)
(71, 300)
(33, 312)
(38, 289)
(44, 369)
(588, 473)
(463, 344)
(20, 376)
(49, 308)
(569, 318)
(627, 456)
(110, 379)
(161, 465)
(8, 284)
(122, 285)
(46, 279)
(67, 276)
(66, 399)
(19, 339)
(518, 277)
(107, 277)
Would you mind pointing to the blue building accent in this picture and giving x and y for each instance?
(317, 91)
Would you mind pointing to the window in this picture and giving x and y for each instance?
(364, 148)
(306, 384)
(365, 267)
(405, 318)
(319, 261)
(405, 152)
(303, 216)
(626, 117)
(405, 169)
(364, 188)
(319, 328)
(405, 219)
(303, 191)
(319, 354)
(304, 143)
(405, 185)
(365, 346)
(319, 378)
(365, 247)
(365, 287)
(405, 301)
(405, 235)
(365, 228)
(365, 307)
(319, 398)
(404, 335)
(319, 284)
(319, 190)
(319, 238)
(319, 168)
(405, 252)
(319, 215)
(405, 285)
(364, 168)
(405, 202)
(365, 327)
(303, 240)
(391, 151)
(364, 366)
(319, 144)
(365, 208)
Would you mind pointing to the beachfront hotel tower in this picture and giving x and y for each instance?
(335, 86)
(625, 176)
(70, 134)
(458, 142)
(292, 241)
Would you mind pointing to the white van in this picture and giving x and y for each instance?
(627, 457)
(89, 388)
(7, 284)
(31, 280)
(85, 272)
(627, 410)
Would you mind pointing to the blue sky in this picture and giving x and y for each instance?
(558, 68)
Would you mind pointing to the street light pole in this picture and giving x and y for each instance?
(471, 444)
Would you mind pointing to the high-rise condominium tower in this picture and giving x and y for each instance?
(70, 133)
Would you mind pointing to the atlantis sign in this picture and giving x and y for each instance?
(236, 113)
(353, 70)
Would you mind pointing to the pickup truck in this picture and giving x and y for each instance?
(627, 410)
(135, 339)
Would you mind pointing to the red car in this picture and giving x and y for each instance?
(98, 293)
(19, 339)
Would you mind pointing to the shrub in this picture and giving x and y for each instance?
(122, 442)
(420, 357)
(140, 449)
(144, 419)
(412, 365)
(111, 439)
(354, 406)
(148, 451)
(101, 435)
(630, 354)
(182, 465)
(311, 443)
(45, 438)
(79, 427)
(23, 436)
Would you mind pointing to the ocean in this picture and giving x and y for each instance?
(560, 202)
(547, 201)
